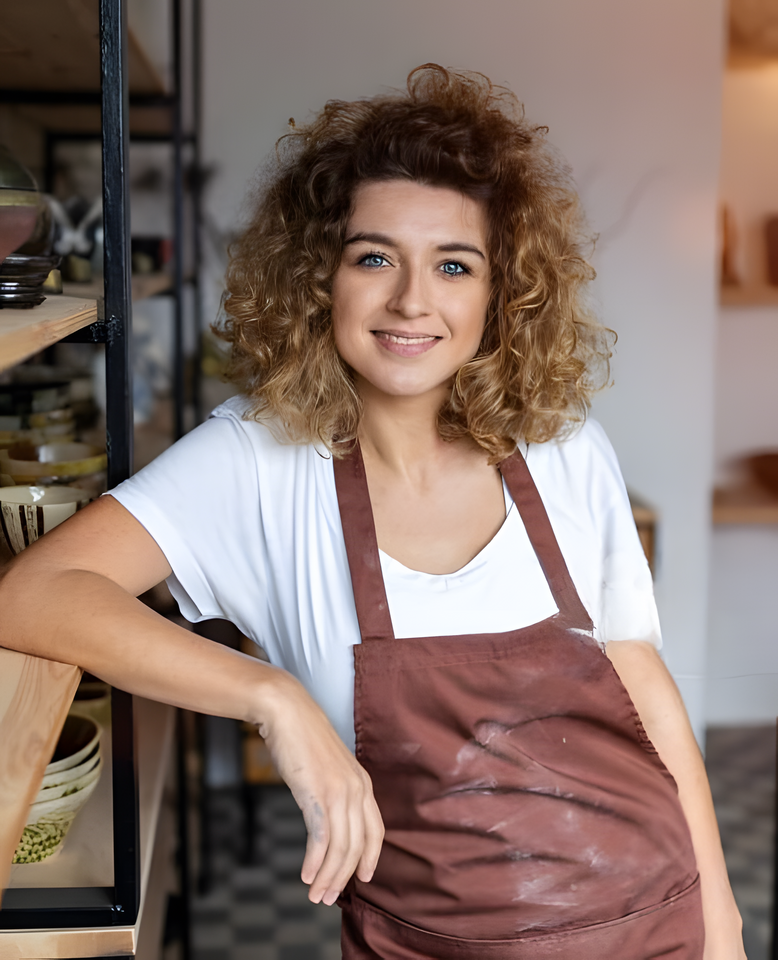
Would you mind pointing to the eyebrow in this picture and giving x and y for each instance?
(382, 238)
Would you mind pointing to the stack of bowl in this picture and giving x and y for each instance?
(22, 278)
(68, 783)
(35, 413)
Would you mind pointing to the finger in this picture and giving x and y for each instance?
(374, 838)
(356, 849)
(337, 850)
(343, 853)
(316, 843)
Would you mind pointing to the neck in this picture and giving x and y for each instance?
(401, 432)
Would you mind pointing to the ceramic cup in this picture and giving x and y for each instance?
(26, 513)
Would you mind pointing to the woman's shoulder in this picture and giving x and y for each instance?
(260, 438)
(580, 469)
(586, 445)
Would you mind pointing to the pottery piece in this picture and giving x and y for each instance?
(22, 399)
(18, 203)
(58, 462)
(48, 823)
(54, 809)
(93, 699)
(79, 737)
(85, 777)
(22, 278)
(764, 469)
(57, 426)
(27, 512)
(60, 777)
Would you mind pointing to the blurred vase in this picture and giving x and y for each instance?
(19, 201)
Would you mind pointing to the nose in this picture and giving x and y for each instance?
(410, 298)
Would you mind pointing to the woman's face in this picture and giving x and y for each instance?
(410, 295)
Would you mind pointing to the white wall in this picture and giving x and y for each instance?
(631, 93)
(743, 651)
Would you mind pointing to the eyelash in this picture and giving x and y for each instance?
(374, 253)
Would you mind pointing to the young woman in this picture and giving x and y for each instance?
(407, 508)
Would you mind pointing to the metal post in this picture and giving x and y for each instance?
(179, 386)
(116, 224)
(118, 305)
(197, 212)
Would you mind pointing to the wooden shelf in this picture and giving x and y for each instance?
(746, 504)
(25, 332)
(54, 47)
(49, 45)
(85, 118)
(155, 728)
(143, 285)
(761, 296)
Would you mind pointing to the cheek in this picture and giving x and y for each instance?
(346, 330)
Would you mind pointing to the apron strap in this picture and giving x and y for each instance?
(356, 515)
(544, 542)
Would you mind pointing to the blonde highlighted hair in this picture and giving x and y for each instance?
(543, 354)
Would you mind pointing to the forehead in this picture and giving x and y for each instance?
(404, 207)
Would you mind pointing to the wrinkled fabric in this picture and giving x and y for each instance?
(527, 813)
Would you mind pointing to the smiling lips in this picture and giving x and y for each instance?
(405, 345)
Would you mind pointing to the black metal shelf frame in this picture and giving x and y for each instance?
(118, 905)
(180, 138)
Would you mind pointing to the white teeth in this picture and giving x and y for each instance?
(395, 339)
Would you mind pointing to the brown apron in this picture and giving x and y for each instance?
(527, 814)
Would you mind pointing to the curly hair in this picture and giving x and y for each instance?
(543, 354)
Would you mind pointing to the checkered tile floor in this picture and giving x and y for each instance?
(741, 767)
(262, 912)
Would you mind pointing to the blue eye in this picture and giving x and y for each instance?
(373, 260)
(453, 269)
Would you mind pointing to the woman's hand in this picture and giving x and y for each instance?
(71, 597)
(331, 788)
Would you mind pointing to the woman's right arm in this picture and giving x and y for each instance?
(72, 597)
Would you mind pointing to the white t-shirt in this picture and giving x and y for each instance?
(251, 529)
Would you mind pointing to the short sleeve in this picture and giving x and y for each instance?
(196, 500)
(627, 605)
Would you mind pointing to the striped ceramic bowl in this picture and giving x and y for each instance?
(26, 513)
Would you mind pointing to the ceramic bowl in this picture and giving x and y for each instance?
(74, 784)
(55, 808)
(93, 699)
(62, 462)
(63, 777)
(59, 777)
(26, 513)
(47, 824)
(55, 432)
(36, 421)
(37, 397)
(78, 739)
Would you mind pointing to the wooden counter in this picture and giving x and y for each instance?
(35, 696)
